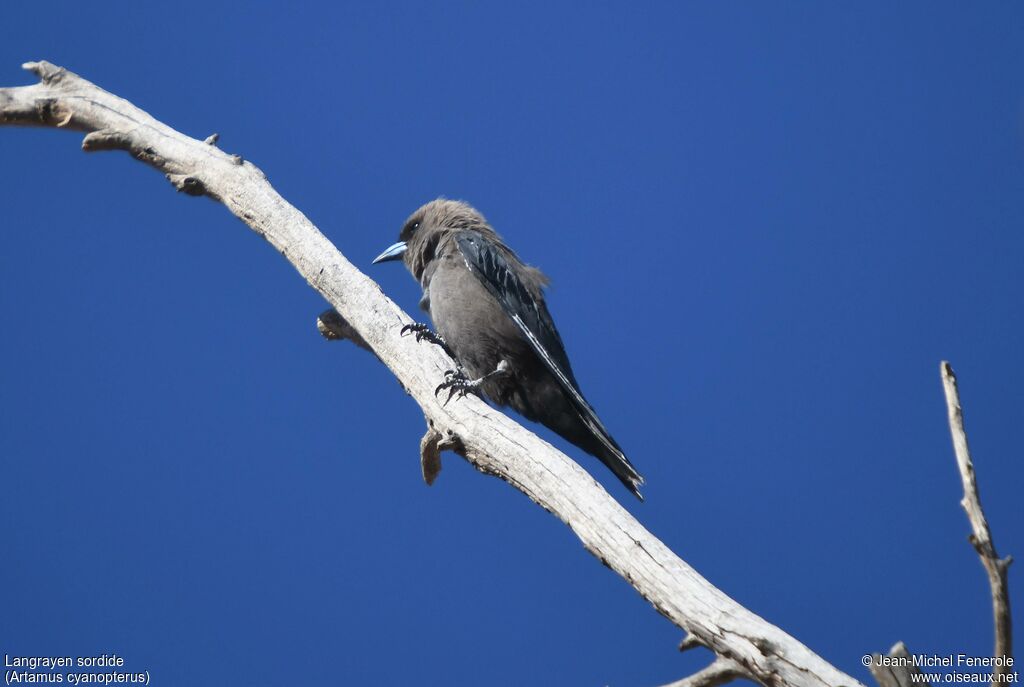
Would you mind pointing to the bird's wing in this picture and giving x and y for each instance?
(531, 316)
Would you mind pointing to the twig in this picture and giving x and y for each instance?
(721, 671)
(333, 327)
(981, 537)
(891, 674)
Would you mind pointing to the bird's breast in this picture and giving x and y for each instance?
(472, 322)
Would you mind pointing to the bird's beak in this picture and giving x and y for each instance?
(394, 252)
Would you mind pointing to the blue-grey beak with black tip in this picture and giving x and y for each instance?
(394, 252)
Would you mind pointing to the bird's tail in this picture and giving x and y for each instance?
(611, 455)
(579, 425)
(587, 432)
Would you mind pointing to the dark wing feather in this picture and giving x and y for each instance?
(530, 315)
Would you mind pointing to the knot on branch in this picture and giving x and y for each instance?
(431, 445)
(106, 139)
(690, 642)
(188, 184)
(50, 112)
(333, 327)
(48, 73)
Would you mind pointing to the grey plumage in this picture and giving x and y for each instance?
(488, 306)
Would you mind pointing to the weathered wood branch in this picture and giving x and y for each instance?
(489, 440)
(721, 671)
(689, 642)
(902, 672)
(899, 673)
(981, 537)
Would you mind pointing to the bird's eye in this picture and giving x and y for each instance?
(408, 229)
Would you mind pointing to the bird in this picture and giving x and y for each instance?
(490, 315)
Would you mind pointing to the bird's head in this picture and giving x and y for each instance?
(429, 228)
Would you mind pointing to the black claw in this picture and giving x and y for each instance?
(456, 382)
(422, 332)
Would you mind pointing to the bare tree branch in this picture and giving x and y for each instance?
(904, 673)
(896, 674)
(721, 671)
(489, 440)
(981, 537)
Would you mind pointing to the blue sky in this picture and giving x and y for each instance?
(765, 225)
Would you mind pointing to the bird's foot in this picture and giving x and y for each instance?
(457, 382)
(424, 332)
